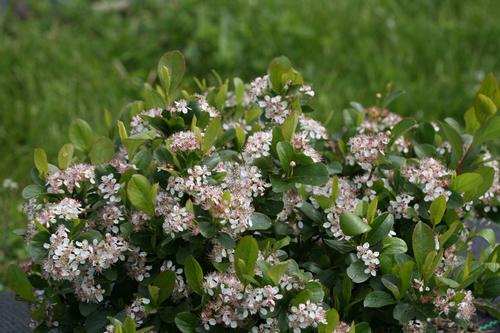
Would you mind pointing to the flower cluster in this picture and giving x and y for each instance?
(306, 315)
(236, 210)
(365, 149)
(369, 258)
(231, 303)
(431, 175)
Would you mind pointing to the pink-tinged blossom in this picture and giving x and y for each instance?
(492, 196)
(205, 107)
(139, 124)
(275, 109)
(258, 145)
(88, 291)
(466, 307)
(230, 304)
(307, 90)
(138, 310)
(71, 178)
(137, 267)
(242, 179)
(138, 219)
(121, 162)
(67, 259)
(431, 175)
(301, 143)
(110, 217)
(415, 326)
(312, 128)
(180, 106)
(369, 258)
(306, 315)
(342, 327)
(67, 209)
(271, 325)
(109, 188)
(378, 120)
(179, 219)
(399, 207)
(184, 141)
(259, 86)
(346, 201)
(365, 149)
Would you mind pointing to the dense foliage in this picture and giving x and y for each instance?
(75, 58)
(229, 208)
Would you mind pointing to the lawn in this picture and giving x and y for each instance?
(79, 58)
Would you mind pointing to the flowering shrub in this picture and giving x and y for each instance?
(232, 209)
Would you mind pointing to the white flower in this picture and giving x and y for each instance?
(369, 258)
(109, 188)
(306, 315)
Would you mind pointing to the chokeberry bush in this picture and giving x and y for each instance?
(225, 207)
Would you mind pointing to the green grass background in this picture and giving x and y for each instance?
(60, 60)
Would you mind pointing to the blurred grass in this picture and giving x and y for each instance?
(67, 59)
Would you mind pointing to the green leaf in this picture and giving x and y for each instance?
(276, 271)
(176, 65)
(378, 299)
(353, 225)
(166, 282)
(471, 122)
(141, 194)
(381, 227)
(391, 283)
(484, 107)
(41, 162)
(400, 128)
(87, 308)
(164, 75)
(186, 322)
(260, 222)
(488, 234)
(32, 191)
(332, 320)
(404, 312)
(455, 140)
(81, 135)
(129, 325)
(394, 245)
(214, 129)
(285, 154)
(276, 70)
(488, 175)
(489, 86)
(102, 151)
(247, 251)
(466, 182)
(239, 90)
(194, 274)
(489, 131)
(356, 271)
(312, 174)
(289, 126)
(240, 137)
(317, 292)
(372, 210)
(405, 275)
(438, 207)
(18, 282)
(65, 155)
(422, 242)
(36, 247)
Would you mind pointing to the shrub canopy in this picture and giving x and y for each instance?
(228, 208)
